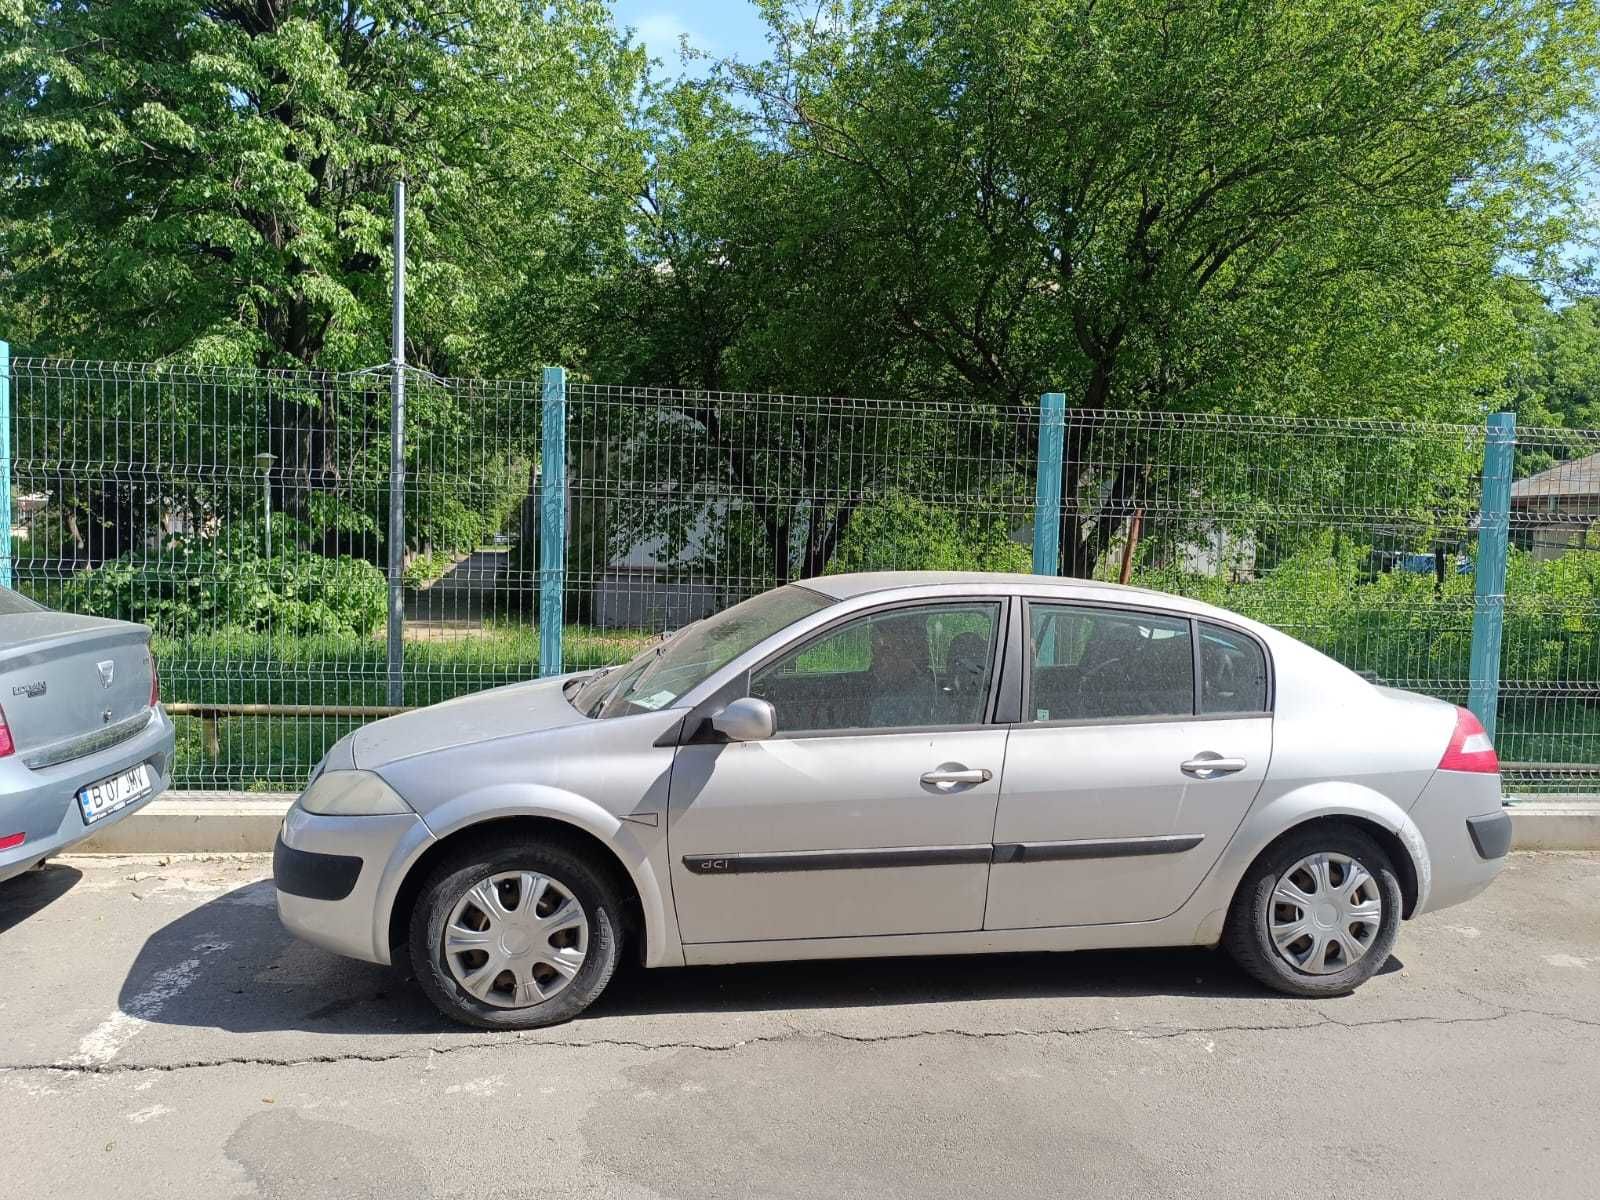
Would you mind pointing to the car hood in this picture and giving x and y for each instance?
(483, 716)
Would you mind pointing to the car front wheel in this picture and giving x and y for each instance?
(517, 936)
(1317, 914)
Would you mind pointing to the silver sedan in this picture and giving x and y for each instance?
(890, 764)
(83, 740)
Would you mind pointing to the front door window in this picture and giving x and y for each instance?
(906, 668)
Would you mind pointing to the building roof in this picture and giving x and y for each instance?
(1578, 478)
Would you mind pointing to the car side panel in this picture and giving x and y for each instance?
(1120, 784)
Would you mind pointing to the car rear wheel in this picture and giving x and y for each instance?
(1317, 914)
(515, 936)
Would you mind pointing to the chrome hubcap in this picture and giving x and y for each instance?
(516, 939)
(1325, 913)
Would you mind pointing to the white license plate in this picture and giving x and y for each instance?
(104, 798)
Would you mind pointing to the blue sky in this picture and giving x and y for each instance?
(724, 28)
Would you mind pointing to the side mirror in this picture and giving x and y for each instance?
(747, 719)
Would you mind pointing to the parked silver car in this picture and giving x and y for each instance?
(83, 740)
(898, 763)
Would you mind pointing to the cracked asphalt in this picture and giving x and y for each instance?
(160, 1035)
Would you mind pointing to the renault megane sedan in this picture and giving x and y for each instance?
(892, 764)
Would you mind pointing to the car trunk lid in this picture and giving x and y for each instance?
(65, 679)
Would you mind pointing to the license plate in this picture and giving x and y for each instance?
(106, 797)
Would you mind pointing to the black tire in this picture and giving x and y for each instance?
(1247, 938)
(448, 882)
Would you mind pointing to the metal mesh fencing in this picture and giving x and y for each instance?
(1550, 667)
(138, 492)
(683, 502)
(1359, 537)
(243, 514)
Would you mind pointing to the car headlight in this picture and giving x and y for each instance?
(351, 794)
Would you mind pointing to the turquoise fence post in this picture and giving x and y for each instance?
(552, 519)
(1489, 603)
(1047, 501)
(5, 463)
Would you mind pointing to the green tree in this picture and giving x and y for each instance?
(1555, 380)
(208, 183)
(1259, 205)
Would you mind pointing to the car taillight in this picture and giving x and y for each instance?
(12, 840)
(1469, 748)
(155, 682)
(7, 746)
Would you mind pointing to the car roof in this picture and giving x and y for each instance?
(846, 587)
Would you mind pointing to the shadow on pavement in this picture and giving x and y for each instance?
(254, 977)
(33, 891)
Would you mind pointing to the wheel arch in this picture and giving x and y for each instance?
(1388, 840)
(569, 820)
(1333, 801)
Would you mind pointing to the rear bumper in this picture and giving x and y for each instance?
(1467, 832)
(42, 803)
(1491, 834)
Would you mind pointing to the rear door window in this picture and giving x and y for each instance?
(1100, 664)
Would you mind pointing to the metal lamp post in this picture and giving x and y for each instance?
(264, 462)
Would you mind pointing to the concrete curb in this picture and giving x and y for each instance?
(242, 823)
(179, 825)
(1556, 825)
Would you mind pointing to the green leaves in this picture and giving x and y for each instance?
(214, 180)
(199, 584)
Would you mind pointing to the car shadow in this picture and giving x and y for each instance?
(253, 977)
(34, 891)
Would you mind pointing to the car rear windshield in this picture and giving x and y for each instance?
(656, 678)
(12, 603)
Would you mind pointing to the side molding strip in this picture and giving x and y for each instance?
(773, 862)
(833, 860)
(1026, 852)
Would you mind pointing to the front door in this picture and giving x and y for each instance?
(1125, 780)
(870, 811)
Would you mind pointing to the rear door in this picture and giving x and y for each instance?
(870, 811)
(1145, 738)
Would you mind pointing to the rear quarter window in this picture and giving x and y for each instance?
(1233, 671)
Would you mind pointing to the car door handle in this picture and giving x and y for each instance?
(949, 777)
(1211, 766)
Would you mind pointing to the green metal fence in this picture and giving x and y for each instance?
(557, 523)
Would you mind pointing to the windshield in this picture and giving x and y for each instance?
(656, 678)
(14, 602)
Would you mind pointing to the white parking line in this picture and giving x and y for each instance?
(106, 1040)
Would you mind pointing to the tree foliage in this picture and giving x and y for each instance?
(1251, 206)
(212, 179)
(208, 183)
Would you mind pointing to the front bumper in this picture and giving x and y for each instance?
(313, 875)
(336, 877)
(42, 803)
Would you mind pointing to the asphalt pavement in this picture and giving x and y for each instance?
(161, 1036)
